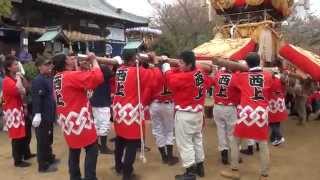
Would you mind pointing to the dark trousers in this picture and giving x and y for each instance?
(125, 150)
(275, 130)
(28, 125)
(21, 147)
(18, 149)
(90, 163)
(44, 135)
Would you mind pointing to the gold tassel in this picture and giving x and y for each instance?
(254, 2)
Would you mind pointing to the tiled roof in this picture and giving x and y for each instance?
(99, 7)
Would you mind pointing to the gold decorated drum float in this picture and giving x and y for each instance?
(283, 7)
(254, 26)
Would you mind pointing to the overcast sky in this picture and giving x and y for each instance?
(139, 7)
(142, 8)
(315, 6)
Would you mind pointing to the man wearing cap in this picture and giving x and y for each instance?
(43, 107)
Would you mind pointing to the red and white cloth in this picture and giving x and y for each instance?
(73, 107)
(255, 88)
(13, 109)
(163, 94)
(126, 104)
(277, 105)
(223, 93)
(188, 89)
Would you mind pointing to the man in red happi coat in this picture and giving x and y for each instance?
(255, 88)
(74, 111)
(129, 111)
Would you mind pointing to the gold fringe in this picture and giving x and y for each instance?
(254, 2)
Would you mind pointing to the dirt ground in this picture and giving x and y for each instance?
(297, 159)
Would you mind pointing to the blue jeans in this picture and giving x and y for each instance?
(275, 130)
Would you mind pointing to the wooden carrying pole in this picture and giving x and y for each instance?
(231, 65)
(206, 66)
(102, 60)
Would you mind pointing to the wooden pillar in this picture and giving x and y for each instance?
(104, 33)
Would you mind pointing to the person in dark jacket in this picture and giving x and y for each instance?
(44, 111)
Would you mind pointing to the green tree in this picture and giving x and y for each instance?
(5, 8)
(31, 71)
(304, 33)
(184, 24)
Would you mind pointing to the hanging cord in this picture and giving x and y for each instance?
(233, 31)
(142, 153)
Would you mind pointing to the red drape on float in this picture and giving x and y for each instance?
(304, 60)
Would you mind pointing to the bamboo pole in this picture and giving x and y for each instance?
(102, 60)
(231, 65)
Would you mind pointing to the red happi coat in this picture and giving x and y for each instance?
(223, 93)
(188, 89)
(162, 93)
(277, 105)
(13, 109)
(255, 88)
(315, 96)
(125, 103)
(73, 108)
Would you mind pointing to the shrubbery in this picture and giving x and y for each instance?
(31, 71)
